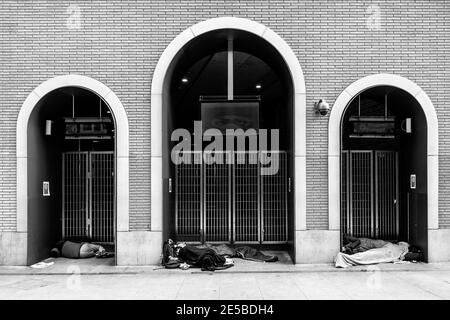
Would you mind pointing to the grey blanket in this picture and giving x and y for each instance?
(244, 252)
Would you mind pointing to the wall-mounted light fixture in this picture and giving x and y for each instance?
(48, 127)
(406, 125)
(322, 107)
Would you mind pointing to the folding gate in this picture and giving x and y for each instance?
(369, 194)
(88, 196)
(231, 202)
(247, 211)
(216, 201)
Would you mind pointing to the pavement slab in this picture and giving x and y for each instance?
(69, 279)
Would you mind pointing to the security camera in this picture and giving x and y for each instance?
(322, 107)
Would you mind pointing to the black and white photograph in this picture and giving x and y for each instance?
(225, 157)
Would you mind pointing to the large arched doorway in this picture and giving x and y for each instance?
(71, 132)
(192, 74)
(383, 162)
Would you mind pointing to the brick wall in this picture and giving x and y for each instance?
(119, 44)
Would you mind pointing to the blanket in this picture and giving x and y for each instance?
(244, 252)
(249, 253)
(388, 253)
(221, 249)
(205, 258)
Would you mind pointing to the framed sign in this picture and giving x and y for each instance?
(46, 188)
(230, 115)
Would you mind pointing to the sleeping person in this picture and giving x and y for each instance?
(390, 252)
(76, 250)
(205, 258)
(354, 245)
(175, 254)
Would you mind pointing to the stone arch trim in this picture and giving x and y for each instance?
(334, 141)
(122, 144)
(157, 91)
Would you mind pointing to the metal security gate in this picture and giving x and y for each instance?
(369, 194)
(274, 201)
(188, 198)
(75, 218)
(246, 197)
(217, 200)
(386, 195)
(231, 202)
(88, 196)
(102, 196)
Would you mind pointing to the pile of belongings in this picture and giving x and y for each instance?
(414, 254)
(208, 257)
(365, 251)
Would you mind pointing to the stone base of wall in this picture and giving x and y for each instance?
(316, 246)
(136, 248)
(13, 248)
(145, 247)
(438, 245)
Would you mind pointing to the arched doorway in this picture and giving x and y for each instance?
(181, 59)
(383, 162)
(72, 165)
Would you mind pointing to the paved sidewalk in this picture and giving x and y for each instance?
(247, 280)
